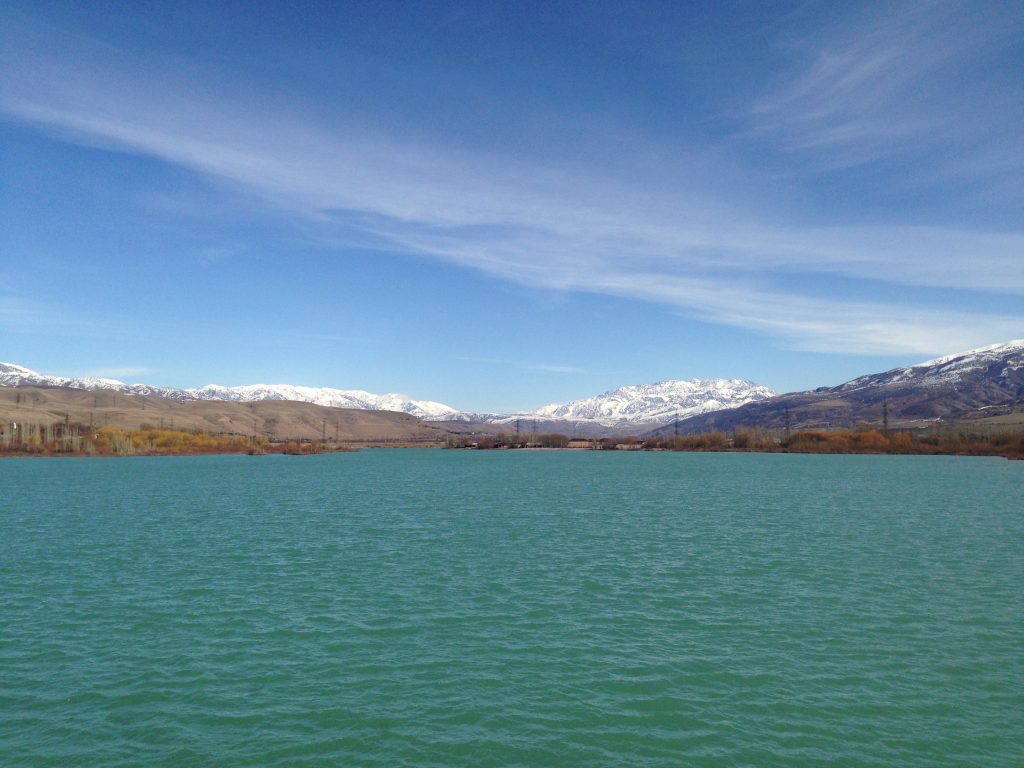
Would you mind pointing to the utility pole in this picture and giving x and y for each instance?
(788, 423)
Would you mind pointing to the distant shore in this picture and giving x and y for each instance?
(948, 442)
(67, 440)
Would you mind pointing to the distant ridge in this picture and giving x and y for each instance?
(983, 382)
(621, 407)
(15, 375)
(275, 420)
(978, 383)
(643, 403)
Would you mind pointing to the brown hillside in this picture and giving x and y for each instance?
(277, 420)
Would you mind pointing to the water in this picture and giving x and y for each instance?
(439, 608)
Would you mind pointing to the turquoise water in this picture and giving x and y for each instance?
(441, 608)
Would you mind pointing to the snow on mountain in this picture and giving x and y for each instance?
(1002, 358)
(12, 375)
(625, 405)
(644, 403)
(988, 381)
(333, 398)
(15, 375)
(658, 402)
(979, 377)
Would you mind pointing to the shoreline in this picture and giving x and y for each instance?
(68, 439)
(1009, 456)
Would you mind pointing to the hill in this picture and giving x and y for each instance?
(980, 384)
(12, 375)
(277, 420)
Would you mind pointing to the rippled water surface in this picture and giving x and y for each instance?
(440, 608)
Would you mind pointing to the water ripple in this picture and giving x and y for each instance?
(427, 608)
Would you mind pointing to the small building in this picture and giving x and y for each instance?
(581, 444)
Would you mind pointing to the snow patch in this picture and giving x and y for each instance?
(643, 403)
(15, 375)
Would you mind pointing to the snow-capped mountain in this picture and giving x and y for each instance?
(15, 375)
(657, 402)
(996, 361)
(12, 375)
(636, 404)
(639, 403)
(333, 398)
(988, 381)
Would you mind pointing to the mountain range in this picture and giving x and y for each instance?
(637, 404)
(980, 383)
(18, 376)
(648, 404)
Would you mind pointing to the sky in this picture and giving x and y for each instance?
(500, 205)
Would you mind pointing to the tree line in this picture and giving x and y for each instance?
(66, 438)
(950, 440)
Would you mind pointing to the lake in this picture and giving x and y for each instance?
(461, 608)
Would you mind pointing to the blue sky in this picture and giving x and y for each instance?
(499, 205)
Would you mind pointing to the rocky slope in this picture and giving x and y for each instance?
(968, 385)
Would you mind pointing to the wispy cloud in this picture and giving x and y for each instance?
(572, 227)
(896, 80)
